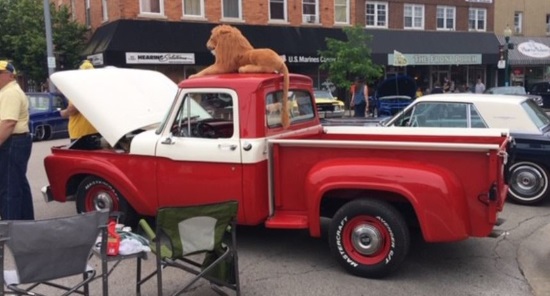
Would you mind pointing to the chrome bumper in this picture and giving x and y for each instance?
(46, 193)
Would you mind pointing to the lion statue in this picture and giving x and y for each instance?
(234, 54)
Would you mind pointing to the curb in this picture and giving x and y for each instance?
(534, 261)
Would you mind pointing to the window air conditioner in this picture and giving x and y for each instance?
(310, 18)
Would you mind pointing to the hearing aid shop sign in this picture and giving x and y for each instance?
(160, 58)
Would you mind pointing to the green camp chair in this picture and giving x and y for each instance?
(203, 229)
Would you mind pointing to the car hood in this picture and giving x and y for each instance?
(328, 101)
(400, 85)
(117, 101)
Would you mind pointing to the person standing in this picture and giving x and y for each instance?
(359, 98)
(480, 87)
(15, 148)
(79, 126)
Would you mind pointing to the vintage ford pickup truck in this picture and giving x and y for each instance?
(221, 138)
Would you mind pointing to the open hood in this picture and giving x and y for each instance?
(399, 85)
(117, 101)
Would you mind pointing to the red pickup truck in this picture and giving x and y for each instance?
(221, 138)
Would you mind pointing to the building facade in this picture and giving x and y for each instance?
(529, 53)
(438, 39)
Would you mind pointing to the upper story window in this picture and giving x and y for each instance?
(518, 22)
(151, 7)
(477, 19)
(446, 16)
(341, 11)
(310, 11)
(548, 24)
(414, 16)
(104, 10)
(232, 9)
(376, 14)
(193, 8)
(277, 10)
(88, 15)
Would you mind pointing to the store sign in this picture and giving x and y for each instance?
(303, 59)
(96, 59)
(159, 58)
(534, 49)
(439, 59)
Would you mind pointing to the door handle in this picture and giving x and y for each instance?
(231, 147)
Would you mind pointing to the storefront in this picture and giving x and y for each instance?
(178, 49)
(529, 59)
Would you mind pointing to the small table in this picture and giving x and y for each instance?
(106, 271)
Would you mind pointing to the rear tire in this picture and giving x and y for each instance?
(528, 183)
(369, 238)
(94, 194)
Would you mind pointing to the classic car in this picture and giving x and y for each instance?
(541, 88)
(392, 95)
(327, 105)
(528, 178)
(514, 90)
(45, 122)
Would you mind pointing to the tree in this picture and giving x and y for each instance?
(345, 60)
(23, 37)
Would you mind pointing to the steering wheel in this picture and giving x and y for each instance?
(205, 130)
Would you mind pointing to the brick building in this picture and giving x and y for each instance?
(444, 38)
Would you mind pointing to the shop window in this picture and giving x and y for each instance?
(309, 11)
(414, 16)
(445, 17)
(477, 19)
(193, 8)
(376, 14)
(152, 6)
(341, 11)
(518, 22)
(231, 9)
(277, 10)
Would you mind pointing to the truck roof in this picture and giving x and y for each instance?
(236, 80)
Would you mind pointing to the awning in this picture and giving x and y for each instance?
(300, 45)
(528, 50)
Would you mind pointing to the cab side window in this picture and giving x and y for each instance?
(205, 115)
(300, 105)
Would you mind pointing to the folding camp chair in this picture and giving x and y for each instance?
(47, 250)
(203, 229)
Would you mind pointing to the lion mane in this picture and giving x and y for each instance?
(234, 53)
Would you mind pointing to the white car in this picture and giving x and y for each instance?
(529, 125)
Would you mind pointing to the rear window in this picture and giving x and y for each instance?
(536, 114)
(300, 105)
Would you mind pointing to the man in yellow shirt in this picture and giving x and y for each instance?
(15, 148)
(79, 126)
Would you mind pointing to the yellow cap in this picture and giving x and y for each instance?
(7, 66)
(86, 65)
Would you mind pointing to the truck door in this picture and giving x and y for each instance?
(199, 153)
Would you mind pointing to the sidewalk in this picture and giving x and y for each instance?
(534, 261)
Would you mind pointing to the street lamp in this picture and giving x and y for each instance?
(507, 33)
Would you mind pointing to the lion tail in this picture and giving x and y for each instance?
(285, 118)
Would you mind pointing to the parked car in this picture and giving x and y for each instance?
(45, 121)
(328, 106)
(542, 89)
(528, 178)
(514, 90)
(392, 95)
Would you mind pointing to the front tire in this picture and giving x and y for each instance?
(369, 238)
(528, 183)
(94, 194)
(41, 133)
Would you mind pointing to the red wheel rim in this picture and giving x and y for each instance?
(100, 197)
(374, 225)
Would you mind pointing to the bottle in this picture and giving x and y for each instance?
(113, 239)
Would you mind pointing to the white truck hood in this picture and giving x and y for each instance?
(117, 101)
